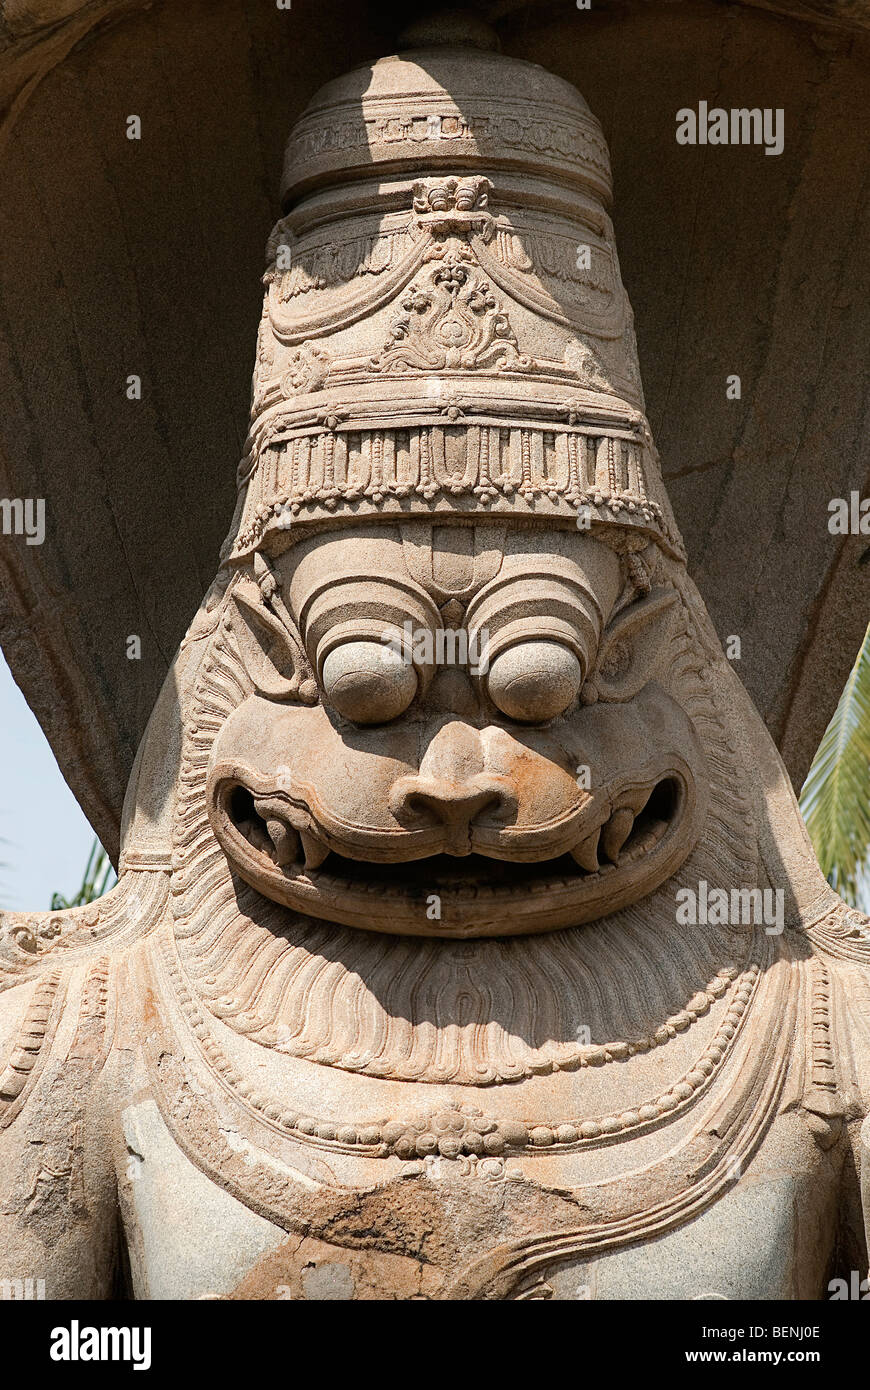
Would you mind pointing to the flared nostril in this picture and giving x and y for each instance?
(452, 806)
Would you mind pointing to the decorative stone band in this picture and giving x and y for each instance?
(564, 474)
(464, 1130)
(29, 1050)
(426, 128)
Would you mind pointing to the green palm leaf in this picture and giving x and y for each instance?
(97, 879)
(835, 800)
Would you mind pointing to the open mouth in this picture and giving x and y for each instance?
(635, 826)
(515, 880)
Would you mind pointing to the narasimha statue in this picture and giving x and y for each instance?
(397, 996)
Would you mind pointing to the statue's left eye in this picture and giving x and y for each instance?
(534, 681)
(368, 682)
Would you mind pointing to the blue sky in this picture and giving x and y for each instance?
(46, 836)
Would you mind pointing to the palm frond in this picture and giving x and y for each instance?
(98, 872)
(835, 800)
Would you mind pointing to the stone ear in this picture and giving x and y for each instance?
(270, 647)
(631, 647)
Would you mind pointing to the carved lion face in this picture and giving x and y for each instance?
(455, 731)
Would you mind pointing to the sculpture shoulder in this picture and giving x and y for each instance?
(841, 948)
(25, 1010)
(55, 1032)
(33, 943)
(61, 977)
(58, 1153)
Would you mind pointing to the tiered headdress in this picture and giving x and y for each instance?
(445, 331)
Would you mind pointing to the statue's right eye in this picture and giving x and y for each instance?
(368, 682)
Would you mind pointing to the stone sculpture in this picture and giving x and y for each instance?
(399, 995)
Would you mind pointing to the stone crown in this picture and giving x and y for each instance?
(445, 330)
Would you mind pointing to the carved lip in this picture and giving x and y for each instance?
(507, 886)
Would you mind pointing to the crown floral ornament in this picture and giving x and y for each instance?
(455, 342)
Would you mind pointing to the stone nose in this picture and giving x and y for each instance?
(452, 805)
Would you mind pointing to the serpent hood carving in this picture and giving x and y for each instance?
(394, 977)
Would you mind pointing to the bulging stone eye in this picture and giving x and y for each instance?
(534, 681)
(368, 682)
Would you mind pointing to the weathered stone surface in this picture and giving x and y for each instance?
(498, 968)
(143, 257)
